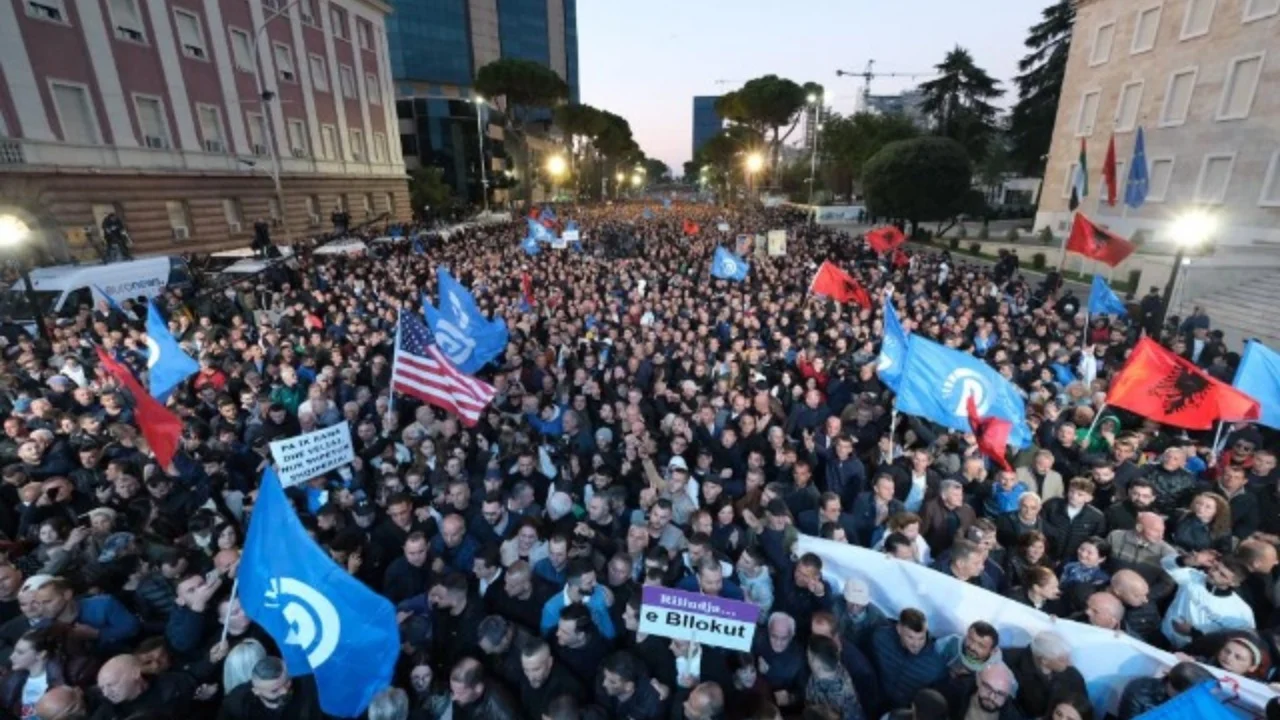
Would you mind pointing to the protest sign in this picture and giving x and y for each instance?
(722, 227)
(698, 618)
(777, 243)
(569, 235)
(298, 459)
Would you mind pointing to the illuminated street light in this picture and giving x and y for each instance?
(755, 161)
(636, 180)
(812, 98)
(620, 177)
(556, 165)
(13, 231)
(1191, 229)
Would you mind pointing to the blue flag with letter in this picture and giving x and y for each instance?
(893, 349)
(465, 336)
(539, 232)
(1104, 301)
(530, 245)
(548, 213)
(167, 365)
(937, 383)
(325, 622)
(727, 266)
(1135, 189)
(1259, 377)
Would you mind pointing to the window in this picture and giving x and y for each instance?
(338, 22)
(257, 133)
(1198, 19)
(329, 142)
(1161, 174)
(126, 18)
(1177, 97)
(1145, 30)
(1102, 39)
(1240, 86)
(1270, 196)
(357, 145)
(307, 9)
(75, 113)
(371, 89)
(390, 201)
(297, 139)
(1088, 113)
(284, 63)
(1127, 106)
(50, 10)
(364, 34)
(234, 212)
(179, 218)
(151, 121)
(319, 74)
(190, 36)
(1215, 176)
(242, 50)
(379, 148)
(347, 77)
(211, 128)
(1258, 9)
(1069, 181)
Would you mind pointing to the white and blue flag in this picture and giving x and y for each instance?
(727, 266)
(167, 364)
(466, 336)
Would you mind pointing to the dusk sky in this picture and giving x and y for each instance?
(647, 60)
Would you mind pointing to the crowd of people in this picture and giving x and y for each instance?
(652, 426)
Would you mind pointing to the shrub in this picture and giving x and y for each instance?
(1046, 236)
(953, 243)
(1012, 236)
(1037, 261)
(975, 248)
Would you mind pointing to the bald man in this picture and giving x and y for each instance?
(705, 702)
(62, 703)
(1105, 610)
(1259, 587)
(125, 692)
(992, 692)
(1141, 615)
(1143, 544)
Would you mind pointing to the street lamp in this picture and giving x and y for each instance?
(13, 233)
(484, 178)
(815, 99)
(636, 180)
(1190, 230)
(755, 162)
(556, 167)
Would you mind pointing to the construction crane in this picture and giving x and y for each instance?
(869, 73)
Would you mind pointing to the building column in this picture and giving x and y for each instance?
(335, 81)
(103, 62)
(222, 60)
(362, 93)
(33, 121)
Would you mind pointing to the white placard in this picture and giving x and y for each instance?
(559, 243)
(723, 227)
(569, 235)
(299, 459)
(684, 615)
(777, 243)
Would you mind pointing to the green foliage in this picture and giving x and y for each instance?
(975, 248)
(848, 142)
(427, 187)
(953, 243)
(1012, 236)
(656, 169)
(959, 102)
(1032, 118)
(1045, 236)
(917, 180)
(766, 105)
(520, 86)
(1037, 261)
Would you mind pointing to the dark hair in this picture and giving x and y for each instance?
(1103, 547)
(1186, 675)
(1081, 704)
(893, 541)
(575, 569)
(825, 651)
(913, 619)
(624, 665)
(579, 615)
(492, 628)
(563, 707)
(984, 629)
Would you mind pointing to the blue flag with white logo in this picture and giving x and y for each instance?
(937, 383)
(539, 232)
(1104, 301)
(325, 622)
(648, 214)
(111, 302)
(167, 364)
(530, 245)
(1259, 377)
(465, 336)
(1139, 182)
(893, 349)
(548, 213)
(727, 266)
(666, 203)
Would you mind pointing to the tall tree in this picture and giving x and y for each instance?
(767, 105)
(1039, 85)
(519, 88)
(959, 101)
(918, 180)
(848, 142)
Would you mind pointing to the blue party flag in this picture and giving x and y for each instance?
(1259, 377)
(111, 302)
(1104, 301)
(648, 214)
(1139, 182)
(893, 349)
(467, 337)
(167, 364)
(727, 266)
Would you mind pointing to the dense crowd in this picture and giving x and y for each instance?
(653, 426)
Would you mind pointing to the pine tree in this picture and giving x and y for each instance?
(959, 102)
(1039, 85)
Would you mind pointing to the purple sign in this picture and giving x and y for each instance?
(699, 618)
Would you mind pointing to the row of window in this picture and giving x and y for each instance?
(1236, 101)
(127, 23)
(242, 54)
(1212, 182)
(179, 211)
(79, 125)
(1196, 22)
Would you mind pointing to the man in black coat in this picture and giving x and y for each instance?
(270, 692)
(543, 679)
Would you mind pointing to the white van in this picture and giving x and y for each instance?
(61, 290)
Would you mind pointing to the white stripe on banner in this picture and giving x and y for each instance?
(1107, 660)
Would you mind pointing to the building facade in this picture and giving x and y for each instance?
(152, 110)
(707, 123)
(1202, 79)
(438, 46)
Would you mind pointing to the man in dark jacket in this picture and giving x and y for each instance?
(1043, 671)
(1071, 520)
(1173, 484)
(906, 657)
(270, 692)
(1124, 515)
(543, 679)
(944, 516)
(475, 697)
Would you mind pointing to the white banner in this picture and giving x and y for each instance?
(722, 227)
(777, 243)
(839, 213)
(1108, 660)
(559, 243)
(569, 235)
(698, 618)
(299, 459)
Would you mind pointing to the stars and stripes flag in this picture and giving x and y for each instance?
(421, 370)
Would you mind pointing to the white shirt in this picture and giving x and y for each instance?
(1201, 607)
(486, 584)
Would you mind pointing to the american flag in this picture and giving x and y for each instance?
(422, 371)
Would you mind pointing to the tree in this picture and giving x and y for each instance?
(519, 88)
(723, 153)
(848, 142)
(427, 188)
(958, 102)
(1039, 86)
(766, 105)
(656, 170)
(918, 180)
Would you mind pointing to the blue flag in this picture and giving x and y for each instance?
(648, 214)
(727, 266)
(938, 381)
(1135, 190)
(325, 622)
(548, 213)
(467, 338)
(530, 245)
(1259, 377)
(1104, 301)
(571, 226)
(666, 203)
(167, 365)
(893, 349)
(539, 232)
(111, 302)
(418, 248)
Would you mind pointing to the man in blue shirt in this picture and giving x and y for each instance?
(579, 588)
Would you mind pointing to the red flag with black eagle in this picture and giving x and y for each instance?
(691, 227)
(159, 426)
(992, 434)
(839, 285)
(886, 238)
(1092, 241)
(900, 259)
(1159, 385)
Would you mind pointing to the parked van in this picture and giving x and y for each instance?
(61, 290)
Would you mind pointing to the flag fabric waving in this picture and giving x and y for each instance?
(691, 227)
(1135, 190)
(167, 364)
(893, 348)
(539, 232)
(884, 239)
(159, 426)
(937, 383)
(1259, 377)
(325, 622)
(839, 285)
(992, 434)
(467, 338)
(530, 246)
(1096, 243)
(1080, 180)
(111, 302)
(421, 370)
(1161, 386)
(526, 292)
(900, 259)
(666, 203)
(648, 214)
(727, 266)
(1109, 171)
(1104, 301)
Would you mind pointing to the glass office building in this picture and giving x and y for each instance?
(707, 123)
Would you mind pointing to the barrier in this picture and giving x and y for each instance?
(1108, 660)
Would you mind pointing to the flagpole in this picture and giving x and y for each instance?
(226, 618)
(1094, 424)
(893, 425)
(1217, 440)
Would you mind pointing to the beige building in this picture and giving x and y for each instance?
(1202, 78)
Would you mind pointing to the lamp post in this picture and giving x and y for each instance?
(754, 163)
(619, 180)
(13, 233)
(556, 166)
(1190, 230)
(817, 135)
(484, 178)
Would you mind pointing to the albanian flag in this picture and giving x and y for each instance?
(691, 227)
(884, 239)
(159, 426)
(900, 259)
(1096, 243)
(992, 434)
(1159, 385)
(839, 285)
(526, 289)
